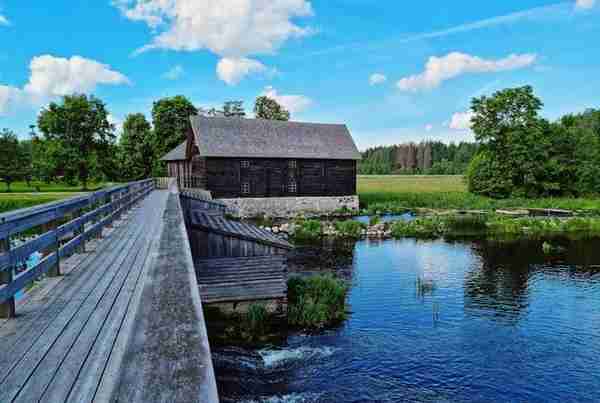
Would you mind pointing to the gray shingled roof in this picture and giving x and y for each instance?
(223, 226)
(176, 154)
(261, 138)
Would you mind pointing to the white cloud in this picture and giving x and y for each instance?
(54, 76)
(377, 78)
(440, 69)
(174, 73)
(232, 70)
(293, 103)
(461, 121)
(429, 127)
(232, 29)
(4, 20)
(585, 4)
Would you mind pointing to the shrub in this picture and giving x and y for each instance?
(374, 220)
(424, 227)
(254, 323)
(349, 229)
(308, 230)
(316, 302)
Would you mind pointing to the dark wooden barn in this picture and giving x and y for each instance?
(237, 158)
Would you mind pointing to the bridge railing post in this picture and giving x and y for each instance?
(55, 247)
(7, 308)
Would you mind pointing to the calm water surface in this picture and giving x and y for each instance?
(501, 322)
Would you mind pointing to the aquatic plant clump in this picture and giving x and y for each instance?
(316, 302)
(307, 230)
(349, 229)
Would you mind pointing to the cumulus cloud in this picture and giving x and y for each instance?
(293, 103)
(461, 121)
(440, 69)
(585, 4)
(118, 123)
(174, 73)
(377, 78)
(232, 29)
(4, 20)
(55, 76)
(233, 69)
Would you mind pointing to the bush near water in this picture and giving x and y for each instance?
(316, 302)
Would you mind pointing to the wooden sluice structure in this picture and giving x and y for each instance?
(235, 262)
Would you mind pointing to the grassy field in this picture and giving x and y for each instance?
(14, 201)
(397, 192)
(42, 187)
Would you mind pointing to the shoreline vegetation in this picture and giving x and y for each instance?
(400, 193)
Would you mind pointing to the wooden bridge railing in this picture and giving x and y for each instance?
(75, 220)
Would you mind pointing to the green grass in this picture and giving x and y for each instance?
(23, 196)
(495, 226)
(397, 193)
(316, 302)
(42, 187)
(14, 201)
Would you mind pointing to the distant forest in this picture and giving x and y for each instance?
(430, 157)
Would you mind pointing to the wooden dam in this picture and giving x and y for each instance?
(112, 308)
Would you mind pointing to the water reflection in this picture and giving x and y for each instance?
(437, 321)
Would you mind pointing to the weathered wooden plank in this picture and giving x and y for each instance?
(112, 308)
(96, 367)
(17, 376)
(22, 252)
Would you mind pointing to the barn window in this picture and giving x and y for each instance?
(292, 186)
(293, 164)
(245, 188)
(245, 164)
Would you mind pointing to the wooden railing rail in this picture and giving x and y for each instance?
(77, 219)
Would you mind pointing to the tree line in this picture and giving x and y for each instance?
(427, 157)
(75, 142)
(522, 154)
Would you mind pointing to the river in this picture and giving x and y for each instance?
(440, 321)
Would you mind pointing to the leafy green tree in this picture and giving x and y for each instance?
(268, 108)
(171, 121)
(136, 150)
(79, 130)
(515, 143)
(26, 158)
(234, 109)
(10, 158)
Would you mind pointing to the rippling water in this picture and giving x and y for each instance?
(498, 322)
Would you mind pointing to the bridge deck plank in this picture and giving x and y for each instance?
(64, 334)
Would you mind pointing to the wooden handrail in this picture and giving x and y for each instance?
(79, 211)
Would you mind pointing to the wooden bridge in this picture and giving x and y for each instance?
(112, 310)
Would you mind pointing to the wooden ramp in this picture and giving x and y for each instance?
(242, 278)
(71, 334)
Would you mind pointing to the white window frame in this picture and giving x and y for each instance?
(292, 186)
(293, 164)
(245, 188)
(245, 164)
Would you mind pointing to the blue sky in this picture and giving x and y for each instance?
(393, 71)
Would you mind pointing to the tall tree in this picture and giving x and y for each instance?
(10, 161)
(234, 109)
(515, 145)
(79, 127)
(268, 108)
(135, 147)
(171, 121)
